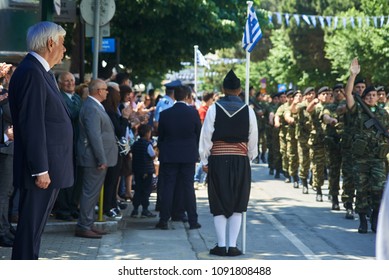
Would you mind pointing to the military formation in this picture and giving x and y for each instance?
(339, 133)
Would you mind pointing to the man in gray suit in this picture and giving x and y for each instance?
(96, 151)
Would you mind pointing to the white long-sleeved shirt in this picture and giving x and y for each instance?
(208, 128)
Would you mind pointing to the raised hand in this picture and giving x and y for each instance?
(355, 68)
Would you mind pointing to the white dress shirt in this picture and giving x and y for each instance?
(208, 128)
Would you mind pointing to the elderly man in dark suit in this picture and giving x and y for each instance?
(66, 206)
(96, 151)
(43, 146)
(179, 131)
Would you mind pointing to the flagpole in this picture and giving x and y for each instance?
(247, 85)
(196, 47)
(246, 97)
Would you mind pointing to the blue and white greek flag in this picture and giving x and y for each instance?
(252, 31)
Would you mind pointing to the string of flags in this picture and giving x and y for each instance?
(329, 21)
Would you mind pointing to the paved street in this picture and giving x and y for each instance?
(282, 224)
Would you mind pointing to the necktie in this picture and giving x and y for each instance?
(51, 73)
(53, 77)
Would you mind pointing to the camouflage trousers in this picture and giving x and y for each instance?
(269, 144)
(274, 155)
(284, 155)
(318, 160)
(370, 177)
(304, 159)
(334, 163)
(348, 187)
(262, 144)
(292, 155)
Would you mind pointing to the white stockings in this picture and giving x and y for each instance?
(233, 223)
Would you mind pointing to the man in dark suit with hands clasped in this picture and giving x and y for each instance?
(179, 132)
(43, 145)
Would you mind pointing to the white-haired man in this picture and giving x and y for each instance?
(43, 153)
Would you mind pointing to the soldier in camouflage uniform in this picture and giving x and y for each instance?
(262, 141)
(260, 111)
(348, 187)
(333, 130)
(272, 137)
(381, 97)
(303, 127)
(383, 102)
(279, 121)
(316, 141)
(369, 150)
(277, 156)
(291, 138)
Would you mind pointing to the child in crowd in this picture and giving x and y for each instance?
(143, 167)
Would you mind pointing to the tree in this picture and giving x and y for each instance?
(156, 35)
(368, 43)
(297, 52)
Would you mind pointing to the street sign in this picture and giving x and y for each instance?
(105, 30)
(107, 11)
(108, 45)
(68, 11)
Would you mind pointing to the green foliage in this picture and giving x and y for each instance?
(369, 44)
(304, 55)
(156, 35)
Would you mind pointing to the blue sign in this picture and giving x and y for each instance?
(108, 45)
(281, 87)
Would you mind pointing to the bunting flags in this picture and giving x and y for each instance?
(252, 32)
(333, 22)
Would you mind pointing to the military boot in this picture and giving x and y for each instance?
(305, 185)
(374, 220)
(349, 211)
(296, 182)
(335, 203)
(277, 176)
(369, 212)
(287, 177)
(362, 223)
(319, 195)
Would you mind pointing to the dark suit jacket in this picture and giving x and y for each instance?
(74, 108)
(5, 123)
(42, 127)
(178, 134)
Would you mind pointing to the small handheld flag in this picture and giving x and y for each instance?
(252, 32)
